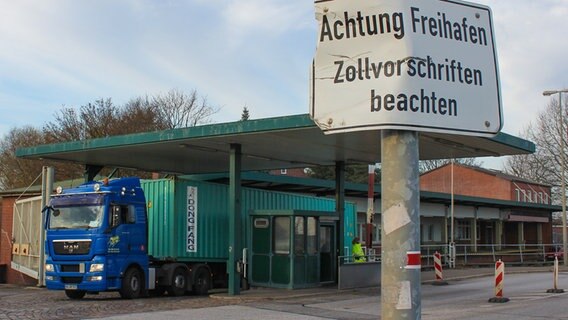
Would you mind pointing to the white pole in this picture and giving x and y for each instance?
(563, 186)
(452, 243)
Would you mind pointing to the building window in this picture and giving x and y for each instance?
(427, 232)
(376, 232)
(299, 236)
(546, 198)
(431, 232)
(463, 230)
(312, 240)
(518, 194)
(529, 196)
(478, 231)
(282, 235)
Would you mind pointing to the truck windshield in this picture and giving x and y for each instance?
(79, 217)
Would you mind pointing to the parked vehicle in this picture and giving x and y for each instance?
(554, 252)
(151, 236)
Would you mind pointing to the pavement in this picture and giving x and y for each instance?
(242, 306)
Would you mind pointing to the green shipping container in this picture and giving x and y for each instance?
(188, 220)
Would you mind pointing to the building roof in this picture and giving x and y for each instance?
(272, 143)
(493, 172)
(321, 187)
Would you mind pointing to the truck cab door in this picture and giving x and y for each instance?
(119, 245)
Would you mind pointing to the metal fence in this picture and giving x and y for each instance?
(478, 255)
(488, 254)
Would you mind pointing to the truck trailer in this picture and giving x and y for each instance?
(149, 236)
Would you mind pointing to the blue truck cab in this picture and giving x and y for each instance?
(96, 239)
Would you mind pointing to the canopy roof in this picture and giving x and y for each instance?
(271, 143)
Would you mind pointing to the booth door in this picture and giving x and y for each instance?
(328, 257)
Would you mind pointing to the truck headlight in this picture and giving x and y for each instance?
(97, 267)
(49, 267)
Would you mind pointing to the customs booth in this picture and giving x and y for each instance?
(295, 248)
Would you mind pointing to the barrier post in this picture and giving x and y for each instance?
(499, 277)
(438, 269)
(555, 279)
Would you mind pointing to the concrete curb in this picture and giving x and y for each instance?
(291, 294)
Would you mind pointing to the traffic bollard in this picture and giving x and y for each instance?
(438, 270)
(555, 279)
(499, 277)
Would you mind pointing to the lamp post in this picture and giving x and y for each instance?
(563, 166)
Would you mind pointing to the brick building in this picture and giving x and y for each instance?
(518, 211)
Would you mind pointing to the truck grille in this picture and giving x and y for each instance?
(70, 268)
(72, 247)
(71, 279)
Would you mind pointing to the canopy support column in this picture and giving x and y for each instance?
(235, 234)
(340, 203)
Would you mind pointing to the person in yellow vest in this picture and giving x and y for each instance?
(358, 254)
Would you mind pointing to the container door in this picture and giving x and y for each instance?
(328, 258)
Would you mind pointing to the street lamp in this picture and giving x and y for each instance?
(563, 166)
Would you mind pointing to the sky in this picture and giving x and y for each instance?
(236, 53)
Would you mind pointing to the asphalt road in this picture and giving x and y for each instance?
(463, 299)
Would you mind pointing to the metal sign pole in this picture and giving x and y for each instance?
(400, 272)
(452, 230)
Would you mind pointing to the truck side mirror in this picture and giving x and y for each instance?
(45, 212)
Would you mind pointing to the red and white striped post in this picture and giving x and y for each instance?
(438, 270)
(499, 277)
(555, 279)
(413, 260)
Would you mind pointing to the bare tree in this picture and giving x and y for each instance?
(94, 120)
(101, 118)
(545, 164)
(180, 110)
(139, 115)
(15, 171)
(428, 165)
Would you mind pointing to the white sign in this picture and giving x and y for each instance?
(191, 219)
(421, 65)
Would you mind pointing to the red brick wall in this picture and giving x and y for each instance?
(6, 231)
(467, 181)
(6, 221)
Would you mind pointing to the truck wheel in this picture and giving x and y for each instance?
(202, 282)
(75, 294)
(178, 284)
(131, 284)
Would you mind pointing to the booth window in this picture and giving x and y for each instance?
(312, 236)
(282, 235)
(299, 236)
